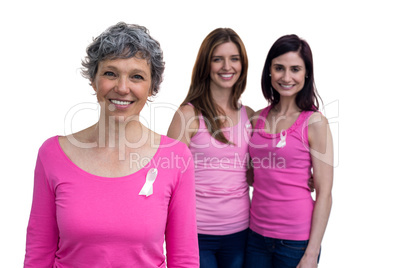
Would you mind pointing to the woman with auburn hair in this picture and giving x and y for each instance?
(286, 224)
(216, 128)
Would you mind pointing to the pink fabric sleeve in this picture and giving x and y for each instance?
(42, 232)
(181, 228)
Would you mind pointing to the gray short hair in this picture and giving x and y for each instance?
(123, 41)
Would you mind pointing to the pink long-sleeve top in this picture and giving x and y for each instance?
(282, 205)
(82, 220)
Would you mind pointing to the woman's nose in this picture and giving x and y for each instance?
(122, 86)
(286, 76)
(226, 65)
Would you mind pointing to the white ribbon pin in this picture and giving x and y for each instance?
(147, 189)
(282, 142)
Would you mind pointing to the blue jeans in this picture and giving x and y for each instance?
(222, 250)
(273, 253)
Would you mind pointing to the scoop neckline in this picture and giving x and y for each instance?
(125, 177)
(260, 126)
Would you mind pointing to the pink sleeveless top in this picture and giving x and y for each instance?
(282, 205)
(222, 193)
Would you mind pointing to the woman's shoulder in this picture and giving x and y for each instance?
(258, 113)
(317, 125)
(256, 116)
(49, 150)
(250, 111)
(49, 144)
(184, 124)
(174, 153)
(317, 120)
(172, 146)
(188, 110)
(187, 113)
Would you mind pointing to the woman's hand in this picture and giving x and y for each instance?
(308, 262)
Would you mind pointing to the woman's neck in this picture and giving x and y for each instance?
(222, 97)
(114, 132)
(286, 106)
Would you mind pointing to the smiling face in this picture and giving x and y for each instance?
(225, 66)
(288, 74)
(122, 86)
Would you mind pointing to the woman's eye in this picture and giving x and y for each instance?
(109, 74)
(216, 59)
(295, 70)
(278, 68)
(235, 59)
(137, 76)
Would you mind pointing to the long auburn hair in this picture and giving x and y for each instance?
(307, 98)
(199, 94)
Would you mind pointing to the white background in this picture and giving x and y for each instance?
(358, 62)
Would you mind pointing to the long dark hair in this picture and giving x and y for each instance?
(199, 94)
(307, 98)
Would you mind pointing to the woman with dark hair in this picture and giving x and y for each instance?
(216, 127)
(100, 198)
(290, 140)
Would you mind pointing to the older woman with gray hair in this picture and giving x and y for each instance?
(112, 194)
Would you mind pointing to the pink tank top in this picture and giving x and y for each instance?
(282, 205)
(222, 193)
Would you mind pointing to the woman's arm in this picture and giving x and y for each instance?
(250, 170)
(321, 150)
(181, 226)
(184, 124)
(42, 232)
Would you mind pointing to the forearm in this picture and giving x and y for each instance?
(320, 218)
